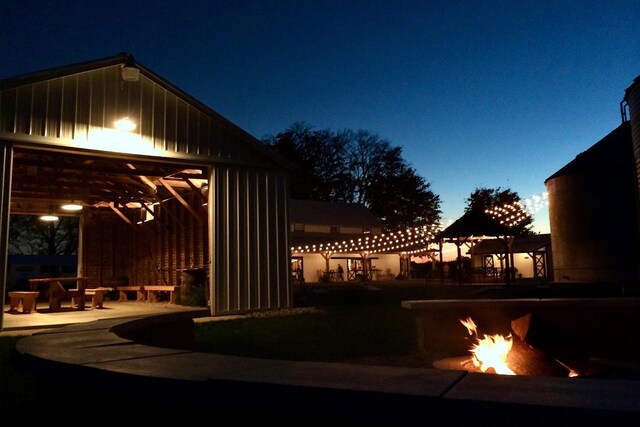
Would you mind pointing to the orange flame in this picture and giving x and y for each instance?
(490, 351)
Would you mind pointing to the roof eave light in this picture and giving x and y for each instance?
(125, 124)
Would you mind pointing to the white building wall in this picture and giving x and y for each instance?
(314, 265)
(521, 261)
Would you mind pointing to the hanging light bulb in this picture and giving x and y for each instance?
(72, 206)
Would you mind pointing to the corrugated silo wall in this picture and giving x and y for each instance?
(633, 100)
(249, 239)
(593, 227)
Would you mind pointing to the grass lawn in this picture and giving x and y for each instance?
(377, 333)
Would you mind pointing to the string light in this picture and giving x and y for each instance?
(418, 239)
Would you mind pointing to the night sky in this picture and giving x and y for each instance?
(477, 93)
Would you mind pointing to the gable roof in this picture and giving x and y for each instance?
(613, 152)
(173, 120)
(331, 213)
(521, 244)
(474, 223)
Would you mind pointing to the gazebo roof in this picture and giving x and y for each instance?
(474, 223)
(521, 244)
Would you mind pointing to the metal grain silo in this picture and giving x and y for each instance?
(592, 213)
(632, 99)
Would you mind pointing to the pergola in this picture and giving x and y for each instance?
(473, 226)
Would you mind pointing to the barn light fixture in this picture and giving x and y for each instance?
(73, 206)
(130, 74)
(125, 124)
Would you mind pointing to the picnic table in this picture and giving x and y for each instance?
(57, 292)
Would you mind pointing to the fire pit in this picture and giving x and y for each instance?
(539, 350)
(535, 337)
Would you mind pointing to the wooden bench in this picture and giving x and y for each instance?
(96, 295)
(26, 299)
(139, 290)
(153, 292)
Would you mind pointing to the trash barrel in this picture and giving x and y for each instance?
(193, 287)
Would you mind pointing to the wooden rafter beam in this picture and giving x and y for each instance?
(143, 178)
(121, 215)
(196, 189)
(180, 199)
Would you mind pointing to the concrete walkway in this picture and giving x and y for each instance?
(101, 357)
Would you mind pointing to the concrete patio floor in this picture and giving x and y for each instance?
(18, 323)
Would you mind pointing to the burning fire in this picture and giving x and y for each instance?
(490, 351)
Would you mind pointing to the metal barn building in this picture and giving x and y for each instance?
(181, 187)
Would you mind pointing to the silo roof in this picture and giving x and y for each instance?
(614, 151)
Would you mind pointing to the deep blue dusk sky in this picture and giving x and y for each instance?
(477, 94)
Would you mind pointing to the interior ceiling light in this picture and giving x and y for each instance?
(125, 124)
(73, 206)
(49, 218)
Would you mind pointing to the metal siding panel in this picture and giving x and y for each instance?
(234, 242)
(266, 209)
(6, 166)
(54, 109)
(83, 106)
(171, 117)
(273, 241)
(39, 109)
(243, 255)
(131, 103)
(193, 143)
(283, 249)
(216, 149)
(111, 98)
(220, 210)
(248, 250)
(182, 126)
(159, 118)
(68, 116)
(23, 110)
(211, 236)
(147, 108)
(98, 100)
(204, 135)
(222, 232)
(255, 239)
(8, 110)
